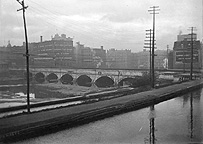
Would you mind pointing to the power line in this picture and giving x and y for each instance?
(56, 14)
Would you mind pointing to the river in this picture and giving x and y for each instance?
(179, 120)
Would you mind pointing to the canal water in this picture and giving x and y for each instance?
(179, 120)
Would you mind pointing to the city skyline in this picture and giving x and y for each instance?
(116, 24)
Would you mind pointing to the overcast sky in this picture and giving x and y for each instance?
(118, 24)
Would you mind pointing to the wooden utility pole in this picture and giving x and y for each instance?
(26, 54)
(153, 10)
(191, 55)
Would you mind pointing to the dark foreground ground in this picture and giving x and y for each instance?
(35, 124)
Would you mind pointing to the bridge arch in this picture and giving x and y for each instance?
(66, 79)
(52, 78)
(104, 81)
(30, 75)
(84, 80)
(40, 77)
(127, 81)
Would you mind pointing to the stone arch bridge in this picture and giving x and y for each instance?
(85, 77)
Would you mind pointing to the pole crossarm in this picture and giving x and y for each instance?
(148, 40)
(148, 43)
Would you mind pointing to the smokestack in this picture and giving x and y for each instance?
(102, 47)
(40, 38)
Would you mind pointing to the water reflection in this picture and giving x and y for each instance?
(191, 115)
(151, 117)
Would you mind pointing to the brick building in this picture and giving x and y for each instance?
(58, 52)
(182, 52)
(119, 59)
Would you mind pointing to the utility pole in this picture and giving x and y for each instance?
(149, 45)
(191, 56)
(153, 10)
(26, 54)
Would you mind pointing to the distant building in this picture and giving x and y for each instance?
(182, 52)
(99, 56)
(143, 59)
(84, 56)
(160, 59)
(134, 61)
(16, 56)
(4, 59)
(12, 57)
(119, 59)
(111, 58)
(78, 54)
(87, 58)
(58, 52)
(170, 59)
(186, 37)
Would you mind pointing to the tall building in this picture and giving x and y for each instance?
(160, 59)
(170, 59)
(84, 56)
(186, 37)
(87, 58)
(143, 59)
(78, 54)
(58, 52)
(4, 59)
(182, 52)
(99, 57)
(119, 59)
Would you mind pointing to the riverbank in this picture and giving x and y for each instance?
(56, 90)
(48, 121)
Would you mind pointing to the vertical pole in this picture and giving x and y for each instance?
(191, 60)
(27, 56)
(153, 39)
(183, 61)
(153, 49)
(150, 57)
